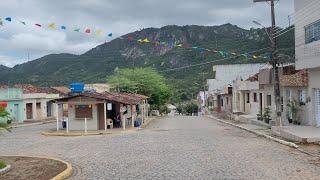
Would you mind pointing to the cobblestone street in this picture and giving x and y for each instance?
(170, 148)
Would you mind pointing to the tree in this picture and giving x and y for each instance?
(191, 108)
(146, 81)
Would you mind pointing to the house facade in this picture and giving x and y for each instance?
(307, 37)
(246, 96)
(12, 100)
(225, 75)
(90, 111)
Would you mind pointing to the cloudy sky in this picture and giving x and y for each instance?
(19, 42)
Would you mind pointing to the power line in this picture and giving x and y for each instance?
(209, 62)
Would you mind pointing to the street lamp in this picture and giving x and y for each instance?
(265, 29)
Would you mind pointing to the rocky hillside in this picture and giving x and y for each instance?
(99, 62)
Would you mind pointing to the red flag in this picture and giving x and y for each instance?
(130, 38)
(87, 30)
(39, 25)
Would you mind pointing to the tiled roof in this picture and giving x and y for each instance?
(28, 89)
(124, 98)
(62, 89)
(253, 78)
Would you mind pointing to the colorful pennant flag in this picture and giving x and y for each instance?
(1, 23)
(39, 25)
(22, 22)
(146, 40)
(254, 57)
(8, 19)
(110, 34)
(63, 27)
(52, 26)
(76, 30)
(179, 45)
(98, 32)
(140, 40)
(87, 30)
(130, 38)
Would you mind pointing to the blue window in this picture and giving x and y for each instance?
(312, 32)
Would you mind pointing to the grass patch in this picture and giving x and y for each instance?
(3, 125)
(2, 165)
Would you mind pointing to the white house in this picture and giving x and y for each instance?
(225, 75)
(307, 36)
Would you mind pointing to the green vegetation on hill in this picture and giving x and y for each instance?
(146, 81)
(101, 61)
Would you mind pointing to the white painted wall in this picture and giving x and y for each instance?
(78, 124)
(307, 12)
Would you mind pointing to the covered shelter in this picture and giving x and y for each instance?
(100, 111)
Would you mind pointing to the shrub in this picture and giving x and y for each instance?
(191, 108)
(2, 164)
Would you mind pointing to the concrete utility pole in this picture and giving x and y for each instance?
(274, 61)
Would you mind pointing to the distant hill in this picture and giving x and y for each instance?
(96, 64)
(4, 68)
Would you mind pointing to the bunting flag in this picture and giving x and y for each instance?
(52, 26)
(87, 31)
(98, 32)
(8, 19)
(130, 38)
(222, 54)
(146, 40)
(152, 41)
(214, 68)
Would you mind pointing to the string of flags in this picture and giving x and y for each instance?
(224, 54)
(54, 26)
(130, 38)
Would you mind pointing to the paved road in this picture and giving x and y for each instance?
(171, 148)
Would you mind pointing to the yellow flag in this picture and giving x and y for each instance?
(254, 57)
(179, 45)
(98, 32)
(52, 26)
(214, 68)
(139, 40)
(146, 40)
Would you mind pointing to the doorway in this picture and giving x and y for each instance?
(29, 110)
(16, 112)
(317, 106)
(261, 103)
(49, 109)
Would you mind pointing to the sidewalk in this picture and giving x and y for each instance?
(302, 134)
(310, 149)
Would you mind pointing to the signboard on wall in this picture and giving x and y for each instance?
(109, 106)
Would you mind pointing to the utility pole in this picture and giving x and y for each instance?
(274, 61)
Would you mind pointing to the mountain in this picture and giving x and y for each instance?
(96, 64)
(4, 68)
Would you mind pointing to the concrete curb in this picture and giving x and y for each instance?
(290, 144)
(62, 175)
(146, 124)
(5, 169)
(31, 124)
(73, 134)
